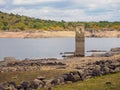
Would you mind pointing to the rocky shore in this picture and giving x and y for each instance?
(85, 70)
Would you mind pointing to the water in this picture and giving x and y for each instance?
(104, 44)
(35, 48)
(50, 47)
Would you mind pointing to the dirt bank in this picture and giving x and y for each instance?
(43, 34)
(103, 34)
(50, 34)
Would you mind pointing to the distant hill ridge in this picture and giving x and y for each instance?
(12, 22)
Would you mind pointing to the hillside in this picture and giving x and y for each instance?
(12, 22)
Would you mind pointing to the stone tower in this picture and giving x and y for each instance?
(79, 40)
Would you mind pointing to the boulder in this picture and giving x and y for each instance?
(12, 83)
(36, 83)
(4, 86)
(112, 67)
(76, 78)
(19, 87)
(82, 74)
(99, 62)
(106, 70)
(47, 85)
(54, 82)
(115, 70)
(60, 80)
(98, 54)
(25, 84)
(12, 86)
(96, 71)
(67, 77)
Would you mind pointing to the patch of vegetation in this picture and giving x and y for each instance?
(107, 82)
(12, 22)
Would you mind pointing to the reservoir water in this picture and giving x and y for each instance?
(50, 47)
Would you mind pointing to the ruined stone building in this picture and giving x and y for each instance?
(79, 40)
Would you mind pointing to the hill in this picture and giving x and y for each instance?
(12, 22)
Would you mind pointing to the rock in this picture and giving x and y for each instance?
(41, 78)
(116, 64)
(19, 87)
(70, 77)
(47, 85)
(54, 82)
(99, 62)
(96, 71)
(98, 54)
(97, 67)
(82, 74)
(60, 80)
(117, 49)
(7, 86)
(12, 83)
(11, 87)
(25, 84)
(4, 86)
(109, 61)
(112, 67)
(37, 84)
(65, 76)
(106, 70)
(115, 70)
(76, 78)
(104, 54)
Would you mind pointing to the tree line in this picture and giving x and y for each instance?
(15, 22)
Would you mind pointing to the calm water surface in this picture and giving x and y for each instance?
(50, 47)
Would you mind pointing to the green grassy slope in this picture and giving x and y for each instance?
(97, 83)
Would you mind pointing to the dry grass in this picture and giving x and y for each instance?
(29, 75)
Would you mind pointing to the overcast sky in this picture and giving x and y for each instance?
(68, 10)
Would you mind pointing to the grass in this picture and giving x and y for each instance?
(29, 75)
(97, 83)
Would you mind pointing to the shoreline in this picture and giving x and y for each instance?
(42, 34)
(55, 34)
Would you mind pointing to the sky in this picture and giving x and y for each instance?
(67, 10)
